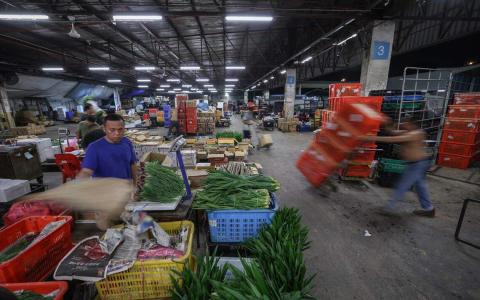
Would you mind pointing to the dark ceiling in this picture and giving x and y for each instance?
(192, 32)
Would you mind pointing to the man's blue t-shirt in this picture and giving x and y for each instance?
(110, 159)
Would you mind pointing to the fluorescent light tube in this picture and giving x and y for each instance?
(114, 80)
(177, 89)
(208, 85)
(52, 69)
(231, 79)
(143, 86)
(249, 18)
(164, 85)
(229, 85)
(186, 85)
(160, 90)
(147, 68)
(99, 68)
(272, 77)
(185, 68)
(283, 71)
(203, 80)
(235, 67)
(265, 81)
(20, 17)
(307, 59)
(143, 80)
(173, 80)
(345, 40)
(137, 18)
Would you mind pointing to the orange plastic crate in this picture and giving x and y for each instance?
(467, 98)
(315, 166)
(360, 116)
(39, 260)
(330, 145)
(470, 125)
(40, 287)
(464, 111)
(455, 161)
(344, 89)
(459, 149)
(374, 102)
(461, 137)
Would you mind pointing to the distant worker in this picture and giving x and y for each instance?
(90, 109)
(86, 126)
(411, 140)
(111, 156)
(92, 136)
(202, 105)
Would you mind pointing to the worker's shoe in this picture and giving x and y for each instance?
(425, 213)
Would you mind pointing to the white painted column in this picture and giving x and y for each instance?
(289, 101)
(5, 106)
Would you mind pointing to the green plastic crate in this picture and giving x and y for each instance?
(408, 105)
(389, 165)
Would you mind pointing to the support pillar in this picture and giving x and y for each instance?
(376, 61)
(116, 99)
(5, 106)
(289, 100)
(245, 97)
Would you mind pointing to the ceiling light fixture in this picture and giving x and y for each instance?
(143, 86)
(208, 85)
(171, 92)
(272, 77)
(144, 68)
(307, 59)
(114, 80)
(186, 85)
(137, 18)
(20, 17)
(143, 80)
(231, 79)
(177, 89)
(164, 85)
(52, 69)
(99, 68)
(203, 80)
(173, 80)
(345, 40)
(235, 67)
(249, 18)
(229, 85)
(187, 68)
(283, 71)
(160, 90)
(265, 81)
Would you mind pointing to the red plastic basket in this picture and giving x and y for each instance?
(464, 111)
(459, 149)
(470, 125)
(460, 137)
(40, 287)
(315, 166)
(40, 259)
(360, 116)
(331, 145)
(467, 98)
(455, 161)
(374, 103)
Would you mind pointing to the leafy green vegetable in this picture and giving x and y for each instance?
(230, 135)
(17, 247)
(162, 184)
(222, 190)
(29, 295)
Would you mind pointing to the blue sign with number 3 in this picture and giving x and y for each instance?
(381, 50)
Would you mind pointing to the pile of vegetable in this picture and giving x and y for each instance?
(162, 184)
(29, 295)
(236, 167)
(230, 135)
(222, 190)
(17, 247)
(277, 270)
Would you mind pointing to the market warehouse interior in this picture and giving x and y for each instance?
(227, 149)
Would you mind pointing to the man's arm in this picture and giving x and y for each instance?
(390, 139)
(85, 173)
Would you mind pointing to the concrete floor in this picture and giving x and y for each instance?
(405, 257)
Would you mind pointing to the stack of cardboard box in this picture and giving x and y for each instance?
(288, 124)
(206, 122)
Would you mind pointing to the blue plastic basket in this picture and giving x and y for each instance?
(236, 226)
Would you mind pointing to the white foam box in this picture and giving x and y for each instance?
(43, 146)
(11, 189)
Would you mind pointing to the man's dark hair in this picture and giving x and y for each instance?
(91, 118)
(113, 117)
(87, 106)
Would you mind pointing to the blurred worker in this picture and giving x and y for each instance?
(248, 122)
(86, 126)
(411, 140)
(92, 136)
(111, 156)
(90, 109)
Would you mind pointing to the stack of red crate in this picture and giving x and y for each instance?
(336, 140)
(460, 144)
(181, 105)
(191, 109)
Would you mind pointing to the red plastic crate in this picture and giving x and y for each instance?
(374, 102)
(192, 115)
(360, 116)
(40, 287)
(464, 111)
(331, 145)
(467, 98)
(459, 149)
(356, 171)
(470, 125)
(455, 161)
(343, 132)
(192, 128)
(344, 89)
(315, 166)
(40, 259)
(461, 137)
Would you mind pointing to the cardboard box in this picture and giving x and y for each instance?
(43, 146)
(229, 155)
(204, 166)
(196, 177)
(265, 140)
(11, 189)
(239, 155)
(202, 155)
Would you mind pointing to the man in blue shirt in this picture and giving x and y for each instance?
(111, 156)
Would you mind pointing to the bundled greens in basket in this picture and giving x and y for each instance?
(230, 135)
(222, 190)
(162, 184)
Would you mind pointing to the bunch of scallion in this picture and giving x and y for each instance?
(162, 184)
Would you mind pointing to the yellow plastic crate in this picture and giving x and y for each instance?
(148, 279)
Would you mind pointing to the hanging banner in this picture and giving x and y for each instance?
(289, 100)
